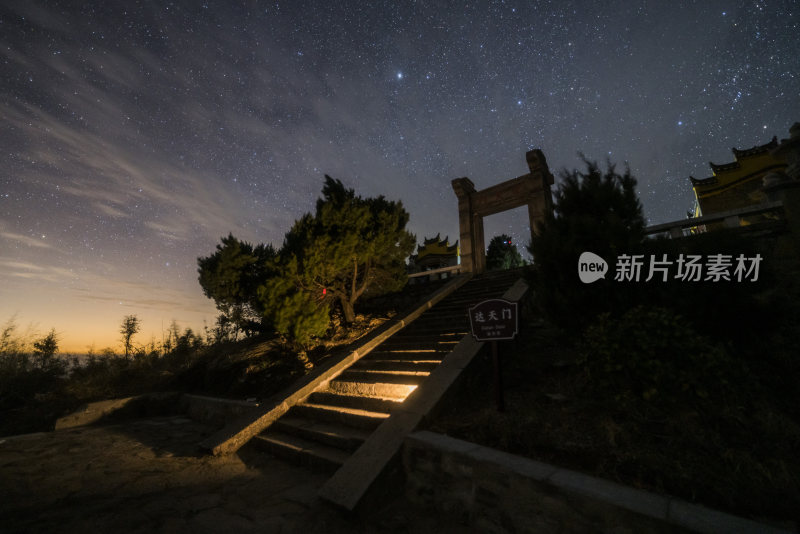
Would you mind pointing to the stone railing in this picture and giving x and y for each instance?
(494, 491)
(729, 219)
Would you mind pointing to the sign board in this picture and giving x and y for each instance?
(493, 320)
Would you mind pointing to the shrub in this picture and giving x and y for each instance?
(653, 354)
(594, 211)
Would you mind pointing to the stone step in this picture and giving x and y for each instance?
(470, 290)
(500, 275)
(439, 325)
(362, 402)
(316, 456)
(397, 392)
(355, 417)
(384, 377)
(421, 344)
(455, 309)
(471, 300)
(455, 328)
(443, 318)
(392, 364)
(451, 326)
(495, 288)
(459, 308)
(437, 336)
(340, 436)
(488, 281)
(408, 355)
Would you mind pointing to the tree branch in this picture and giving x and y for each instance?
(363, 287)
(353, 295)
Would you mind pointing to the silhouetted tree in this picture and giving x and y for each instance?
(349, 247)
(231, 277)
(594, 211)
(45, 349)
(130, 326)
(502, 254)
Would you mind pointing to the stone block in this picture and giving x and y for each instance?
(497, 491)
(521, 466)
(350, 483)
(612, 493)
(440, 442)
(517, 291)
(160, 403)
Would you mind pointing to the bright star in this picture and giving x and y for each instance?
(399, 75)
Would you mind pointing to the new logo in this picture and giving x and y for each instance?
(591, 267)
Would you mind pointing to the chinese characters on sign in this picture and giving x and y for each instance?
(688, 268)
(493, 319)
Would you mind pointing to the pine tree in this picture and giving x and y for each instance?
(502, 254)
(594, 211)
(231, 277)
(348, 248)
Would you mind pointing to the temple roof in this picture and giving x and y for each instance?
(703, 181)
(758, 149)
(739, 154)
(736, 165)
(436, 245)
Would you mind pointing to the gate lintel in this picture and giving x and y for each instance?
(532, 189)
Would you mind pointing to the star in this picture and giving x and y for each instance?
(142, 133)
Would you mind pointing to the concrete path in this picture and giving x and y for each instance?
(148, 476)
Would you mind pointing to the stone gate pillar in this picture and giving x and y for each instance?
(464, 189)
(532, 189)
(540, 204)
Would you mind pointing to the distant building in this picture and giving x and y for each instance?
(737, 184)
(434, 253)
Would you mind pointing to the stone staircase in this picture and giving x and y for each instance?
(324, 429)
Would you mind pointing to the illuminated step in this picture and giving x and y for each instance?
(363, 402)
(317, 456)
(386, 377)
(339, 436)
(433, 352)
(423, 358)
(338, 414)
(407, 336)
(405, 364)
(396, 392)
(430, 343)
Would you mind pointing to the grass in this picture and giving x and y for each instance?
(738, 456)
(35, 392)
(31, 399)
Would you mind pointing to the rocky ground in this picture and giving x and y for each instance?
(148, 476)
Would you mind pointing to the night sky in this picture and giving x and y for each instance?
(135, 134)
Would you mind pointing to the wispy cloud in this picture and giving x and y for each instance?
(20, 265)
(140, 295)
(111, 211)
(35, 272)
(25, 240)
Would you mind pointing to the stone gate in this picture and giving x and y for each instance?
(532, 189)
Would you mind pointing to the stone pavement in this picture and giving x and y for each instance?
(148, 476)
